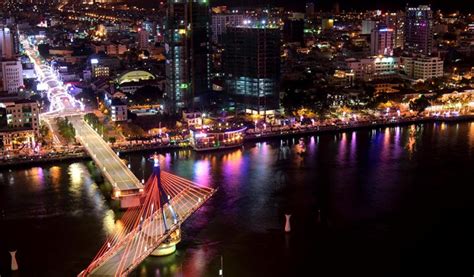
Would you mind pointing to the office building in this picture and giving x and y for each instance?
(374, 68)
(187, 44)
(251, 63)
(7, 48)
(423, 68)
(396, 22)
(221, 21)
(142, 38)
(419, 30)
(381, 42)
(367, 26)
(19, 123)
(12, 76)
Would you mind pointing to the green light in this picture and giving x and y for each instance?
(183, 86)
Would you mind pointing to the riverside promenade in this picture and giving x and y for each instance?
(260, 135)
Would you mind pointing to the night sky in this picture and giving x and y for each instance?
(451, 5)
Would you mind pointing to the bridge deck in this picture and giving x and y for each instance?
(106, 159)
(132, 252)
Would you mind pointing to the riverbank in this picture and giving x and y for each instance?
(258, 136)
(352, 126)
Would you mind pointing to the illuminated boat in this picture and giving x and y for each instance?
(210, 139)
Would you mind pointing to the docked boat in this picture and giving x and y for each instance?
(216, 139)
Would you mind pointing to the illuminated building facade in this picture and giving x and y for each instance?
(12, 76)
(381, 41)
(419, 30)
(7, 48)
(396, 21)
(187, 44)
(119, 110)
(251, 63)
(327, 23)
(423, 68)
(142, 38)
(367, 26)
(221, 21)
(100, 71)
(375, 68)
(19, 123)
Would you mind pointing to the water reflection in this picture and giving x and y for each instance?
(109, 223)
(411, 140)
(202, 171)
(55, 175)
(364, 182)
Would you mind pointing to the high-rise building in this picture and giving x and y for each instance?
(419, 30)
(251, 63)
(221, 21)
(381, 42)
(12, 76)
(187, 43)
(396, 21)
(7, 48)
(367, 26)
(142, 37)
(309, 10)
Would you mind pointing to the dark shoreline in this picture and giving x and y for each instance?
(14, 163)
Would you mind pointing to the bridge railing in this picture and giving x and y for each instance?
(102, 166)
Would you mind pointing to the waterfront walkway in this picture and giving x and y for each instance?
(255, 136)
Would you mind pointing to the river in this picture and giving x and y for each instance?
(385, 202)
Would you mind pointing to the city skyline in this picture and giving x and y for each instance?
(348, 5)
(187, 138)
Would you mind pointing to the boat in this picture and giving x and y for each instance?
(217, 139)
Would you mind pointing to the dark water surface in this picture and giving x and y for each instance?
(393, 202)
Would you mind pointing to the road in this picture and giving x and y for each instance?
(61, 101)
(110, 164)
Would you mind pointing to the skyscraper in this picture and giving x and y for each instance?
(419, 30)
(251, 63)
(142, 38)
(367, 26)
(381, 41)
(187, 43)
(6, 43)
(221, 21)
(396, 21)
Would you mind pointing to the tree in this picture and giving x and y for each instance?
(93, 120)
(419, 104)
(45, 133)
(112, 140)
(66, 129)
